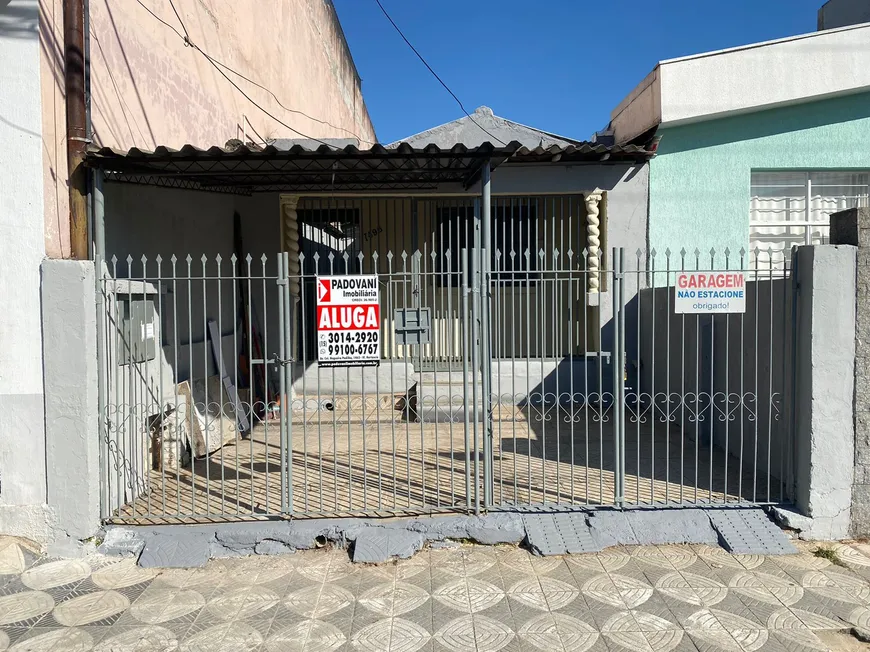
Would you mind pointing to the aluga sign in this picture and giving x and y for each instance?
(348, 321)
(710, 292)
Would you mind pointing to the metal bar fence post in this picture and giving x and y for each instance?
(287, 390)
(616, 367)
(465, 351)
(102, 373)
(621, 375)
(790, 434)
(475, 362)
(485, 343)
(282, 352)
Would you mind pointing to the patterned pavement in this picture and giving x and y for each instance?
(659, 599)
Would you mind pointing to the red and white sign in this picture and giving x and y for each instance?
(348, 321)
(323, 293)
(710, 292)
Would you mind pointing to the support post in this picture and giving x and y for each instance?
(99, 208)
(485, 335)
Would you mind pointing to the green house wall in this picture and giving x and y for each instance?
(700, 177)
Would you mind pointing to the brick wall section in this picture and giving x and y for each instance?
(852, 227)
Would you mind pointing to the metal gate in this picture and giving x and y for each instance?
(575, 384)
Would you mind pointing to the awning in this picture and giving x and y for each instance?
(245, 170)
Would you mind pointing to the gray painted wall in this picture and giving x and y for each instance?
(747, 370)
(825, 363)
(627, 188)
(142, 220)
(796, 382)
(840, 13)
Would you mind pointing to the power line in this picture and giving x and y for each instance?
(251, 100)
(254, 129)
(288, 109)
(148, 9)
(258, 85)
(435, 74)
(218, 65)
(178, 16)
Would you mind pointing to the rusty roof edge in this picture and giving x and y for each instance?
(512, 150)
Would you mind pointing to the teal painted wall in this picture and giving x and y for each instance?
(699, 179)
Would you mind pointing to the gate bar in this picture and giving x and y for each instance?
(618, 434)
(102, 376)
(475, 366)
(620, 375)
(282, 329)
(465, 321)
(485, 343)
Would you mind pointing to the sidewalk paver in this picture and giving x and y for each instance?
(636, 599)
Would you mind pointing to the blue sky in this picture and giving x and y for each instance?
(559, 65)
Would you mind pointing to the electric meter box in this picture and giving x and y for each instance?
(138, 329)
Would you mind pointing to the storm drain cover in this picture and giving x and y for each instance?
(749, 532)
(559, 534)
(374, 545)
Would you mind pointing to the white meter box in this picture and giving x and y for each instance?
(348, 321)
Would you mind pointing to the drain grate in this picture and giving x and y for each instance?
(749, 532)
(559, 534)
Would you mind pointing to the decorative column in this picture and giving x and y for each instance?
(593, 241)
(290, 239)
(290, 244)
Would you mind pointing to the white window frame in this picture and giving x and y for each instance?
(808, 224)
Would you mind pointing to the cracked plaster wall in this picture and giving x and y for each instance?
(824, 365)
(852, 227)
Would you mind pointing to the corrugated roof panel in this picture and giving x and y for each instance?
(246, 168)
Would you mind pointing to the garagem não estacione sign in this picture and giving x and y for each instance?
(710, 292)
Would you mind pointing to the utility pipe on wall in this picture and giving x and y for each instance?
(76, 124)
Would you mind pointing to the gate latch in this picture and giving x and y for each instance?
(412, 325)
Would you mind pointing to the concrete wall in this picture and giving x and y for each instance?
(781, 378)
(724, 378)
(22, 436)
(840, 13)
(748, 78)
(71, 407)
(700, 178)
(149, 89)
(824, 390)
(852, 227)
